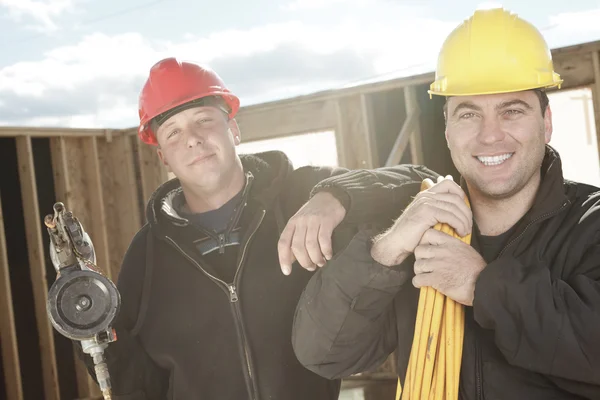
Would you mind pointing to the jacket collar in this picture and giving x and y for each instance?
(265, 175)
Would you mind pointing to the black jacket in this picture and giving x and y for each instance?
(533, 331)
(186, 331)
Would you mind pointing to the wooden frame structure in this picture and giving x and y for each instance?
(106, 176)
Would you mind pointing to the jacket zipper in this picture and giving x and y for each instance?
(231, 291)
(253, 389)
(478, 371)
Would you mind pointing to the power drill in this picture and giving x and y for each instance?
(82, 303)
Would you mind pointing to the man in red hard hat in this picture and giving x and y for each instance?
(206, 311)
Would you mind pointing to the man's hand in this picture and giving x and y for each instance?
(307, 235)
(448, 265)
(444, 202)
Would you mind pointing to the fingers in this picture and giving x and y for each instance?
(304, 242)
(448, 186)
(312, 245)
(453, 204)
(432, 239)
(452, 218)
(300, 250)
(426, 280)
(445, 208)
(325, 234)
(284, 248)
(422, 266)
(424, 251)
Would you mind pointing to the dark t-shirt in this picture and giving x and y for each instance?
(214, 220)
(491, 246)
(220, 253)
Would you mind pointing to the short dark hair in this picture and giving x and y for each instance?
(541, 94)
(544, 100)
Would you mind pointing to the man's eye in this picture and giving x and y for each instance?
(467, 115)
(173, 133)
(514, 112)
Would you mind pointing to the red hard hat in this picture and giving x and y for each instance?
(172, 83)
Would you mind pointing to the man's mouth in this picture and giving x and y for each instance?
(200, 159)
(494, 160)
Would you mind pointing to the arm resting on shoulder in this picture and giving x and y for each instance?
(345, 321)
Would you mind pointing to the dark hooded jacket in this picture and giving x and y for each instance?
(533, 331)
(218, 326)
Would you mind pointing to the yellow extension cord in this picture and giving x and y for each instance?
(434, 366)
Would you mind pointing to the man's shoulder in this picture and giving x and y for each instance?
(582, 194)
(134, 259)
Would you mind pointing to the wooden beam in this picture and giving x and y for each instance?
(575, 69)
(587, 47)
(357, 143)
(37, 265)
(73, 184)
(18, 131)
(339, 93)
(8, 331)
(121, 199)
(367, 126)
(260, 124)
(402, 140)
(153, 172)
(95, 191)
(340, 143)
(416, 145)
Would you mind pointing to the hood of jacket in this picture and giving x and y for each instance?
(266, 175)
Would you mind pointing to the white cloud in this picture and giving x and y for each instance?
(95, 83)
(566, 29)
(42, 11)
(297, 5)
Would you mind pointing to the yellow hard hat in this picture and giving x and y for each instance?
(494, 51)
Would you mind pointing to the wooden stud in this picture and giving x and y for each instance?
(357, 142)
(37, 265)
(367, 126)
(339, 136)
(416, 146)
(402, 140)
(121, 203)
(73, 184)
(8, 331)
(95, 192)
(153, 172)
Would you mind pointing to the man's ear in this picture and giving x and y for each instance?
(162, 158)
(235, 131)
(548, 124)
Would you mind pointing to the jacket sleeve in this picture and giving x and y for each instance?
(544, 323)
(345, 321)
(375, 194)
(367, 195)
(134, 376)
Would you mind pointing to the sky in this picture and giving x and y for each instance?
(82, 63)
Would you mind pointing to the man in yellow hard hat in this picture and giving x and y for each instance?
(530, 281)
